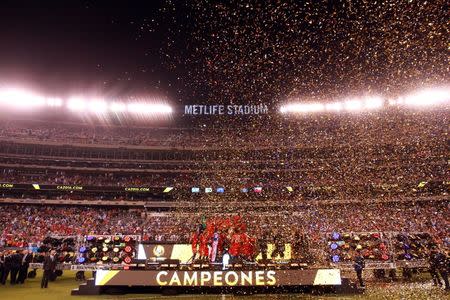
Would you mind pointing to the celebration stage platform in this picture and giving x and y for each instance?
(213, 280)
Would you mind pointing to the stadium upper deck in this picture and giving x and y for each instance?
(341, 156)
(401, 127)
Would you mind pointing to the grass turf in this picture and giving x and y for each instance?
(60, 289)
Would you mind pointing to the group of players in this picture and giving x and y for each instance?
(218, 236)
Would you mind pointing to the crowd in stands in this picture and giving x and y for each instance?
(30, 224)
(103, 135)
(87, 179)
(352, 156)
(380, 182)
(399, 127)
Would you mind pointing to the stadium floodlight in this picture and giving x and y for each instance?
(21, 99)
(373, 102)
(427, 97)
(302, 108)
(148, 108)
(97, 106)
(400, 101)
(392, 102)
(118, 107)
(336, 106)
(54, 102)
(76, 104)
(353, 105)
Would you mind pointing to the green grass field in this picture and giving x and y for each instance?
(60, 289)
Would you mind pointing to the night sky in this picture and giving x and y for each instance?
(224, 51)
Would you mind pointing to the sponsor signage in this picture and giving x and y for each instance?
(137, 189)
(69, 187)
(6, 185)
(65, 187)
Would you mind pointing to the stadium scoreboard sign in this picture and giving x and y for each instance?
(217, 278)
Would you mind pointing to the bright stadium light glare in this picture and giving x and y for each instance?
(76, 104)
(336, 106)
(428, 97)
(302, 108)
(373, 102)
(97, 106)
(400, 100)
(118, 107)
(353, 105)
(148, 108)
(392, 102)
(20, 99)
(54, 102)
